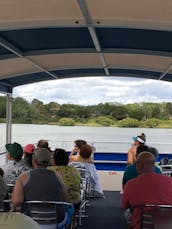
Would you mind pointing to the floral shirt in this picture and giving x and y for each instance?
(12, 170)
(71, 179)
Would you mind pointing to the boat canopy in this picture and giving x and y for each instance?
(56, 39)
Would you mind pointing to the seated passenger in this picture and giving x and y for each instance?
(39, 183)
(15, 166)
(68, 174)
(138, 141)
(131, 171)
(3, 187)
(43, 144)
(154, 151)
(75, 155)
(147, 188)
(28, 154)
(84, 154)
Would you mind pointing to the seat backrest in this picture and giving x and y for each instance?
(85, 180)
(5, 205)
(146, 218)
(10, 189)
(49, 213)
(167, 169)
(157, 217)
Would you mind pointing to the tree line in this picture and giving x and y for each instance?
(103, 114)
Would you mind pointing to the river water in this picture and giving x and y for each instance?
(105, 139)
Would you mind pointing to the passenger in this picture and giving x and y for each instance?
(147, 188)
(154, 151)
(3, 187)
(70, 176)
(139, 140)
(84, 154)
(16, 220)
(75, 155)
(39, 183)
(28, 154)
(75, 152)
(131, 171)
(43, 144)
(15, 166)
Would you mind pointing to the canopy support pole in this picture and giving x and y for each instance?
(8, 118)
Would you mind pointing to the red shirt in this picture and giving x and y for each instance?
(148, 188)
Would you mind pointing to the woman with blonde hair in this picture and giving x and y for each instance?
(83, 162)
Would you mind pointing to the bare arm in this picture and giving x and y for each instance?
(73, 155)
(131, 155)
(18, 192)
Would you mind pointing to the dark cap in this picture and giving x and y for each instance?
(14, 149)
(42, 156)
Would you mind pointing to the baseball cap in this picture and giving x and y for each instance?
(29, 148)
(42, 156)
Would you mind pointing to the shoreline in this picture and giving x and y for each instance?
(161, 126)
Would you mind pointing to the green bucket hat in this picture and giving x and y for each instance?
(14, 149)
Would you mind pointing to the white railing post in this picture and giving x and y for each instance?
(8, 118)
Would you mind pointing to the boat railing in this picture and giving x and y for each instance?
(111, 146)
(108, 155)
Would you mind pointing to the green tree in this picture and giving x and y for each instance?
(38, 111)
(66, 122)
(104, 121)
(135, 111)
(2, 107)
(151, 110)
(150, 123)
(119, 112)
(52, 109)
(21, 111)
(167, 110)
(128, 122)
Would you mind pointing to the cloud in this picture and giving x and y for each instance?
(94, 90)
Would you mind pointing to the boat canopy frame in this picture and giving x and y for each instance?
(51, 40)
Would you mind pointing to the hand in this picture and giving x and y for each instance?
(74, 151)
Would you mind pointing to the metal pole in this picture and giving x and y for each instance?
(8, 118)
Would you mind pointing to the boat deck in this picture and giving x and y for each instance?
(105, 213)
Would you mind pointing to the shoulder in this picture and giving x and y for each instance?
(77, 164)
(133, 181)
(157, 169)
(130, 168)
(53, 168)
(132, 150)
(22, 165)
(130, 184)
(8, 165)
(23, 177)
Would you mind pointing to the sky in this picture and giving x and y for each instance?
(95, 90)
